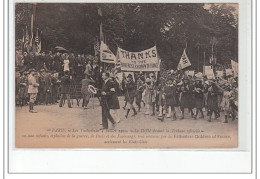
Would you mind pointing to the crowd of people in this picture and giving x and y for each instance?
(48, 78)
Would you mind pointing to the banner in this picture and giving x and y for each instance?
(229, 72)
(234, 68)
(184, 61)
(190, 73)
(106, 55)
(146, 60)
(208, 71)
(219, 74)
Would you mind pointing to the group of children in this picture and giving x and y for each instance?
(195, 94)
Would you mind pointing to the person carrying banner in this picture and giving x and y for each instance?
(130, 94)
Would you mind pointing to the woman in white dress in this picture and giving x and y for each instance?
(66, 64)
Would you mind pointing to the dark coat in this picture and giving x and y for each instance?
(213, 98)
(110, 98)
(65, 85)
(187, 100)
(130, 92)
(170, 94)
(54, 85)
(198, 96)
(47, 87)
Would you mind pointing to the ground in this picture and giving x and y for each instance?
(76, 127)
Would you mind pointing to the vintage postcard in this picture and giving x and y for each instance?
(126, 75)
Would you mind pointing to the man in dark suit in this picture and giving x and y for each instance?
(65, 89)
(109, 100)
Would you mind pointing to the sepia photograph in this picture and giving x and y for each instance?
(126, 75)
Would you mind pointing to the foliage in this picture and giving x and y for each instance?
(136, 27)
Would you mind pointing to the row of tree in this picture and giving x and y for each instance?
(136, 27)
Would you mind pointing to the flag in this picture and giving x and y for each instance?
(101, 33)
(37, 38)
(184, 61)
(106, 55)
(37, 43)
(96, 48)
(99, 12)
(27, 39)
(32, 26)
(39, 47)
(234, 68)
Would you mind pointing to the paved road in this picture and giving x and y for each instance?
(53, 120)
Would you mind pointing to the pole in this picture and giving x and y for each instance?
(204, 63)
(198, 58)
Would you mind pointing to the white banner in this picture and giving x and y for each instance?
(106, 55)
(234, 68)
(219, 74)
(208, 71)
(229, 72)
(146, 60)
(190, 73)
(184, 61)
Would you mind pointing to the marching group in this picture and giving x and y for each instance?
(43, 79)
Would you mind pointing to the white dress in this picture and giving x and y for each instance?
(66, 65)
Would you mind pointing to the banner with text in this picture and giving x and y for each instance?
(184, 61)
(146, 60)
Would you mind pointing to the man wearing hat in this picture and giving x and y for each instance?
(109, 100)
(130, 94)
(32, 90)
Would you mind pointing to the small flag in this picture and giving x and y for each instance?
(184, 61)
(99, 12)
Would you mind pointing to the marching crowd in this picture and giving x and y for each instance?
(47, 78)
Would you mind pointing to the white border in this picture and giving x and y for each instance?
(148, 160)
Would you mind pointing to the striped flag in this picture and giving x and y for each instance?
(37, 42)
(27, 41)
(96, 48)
